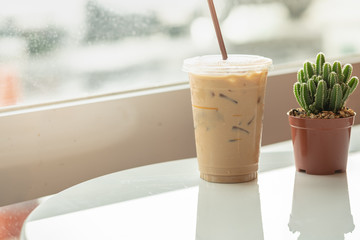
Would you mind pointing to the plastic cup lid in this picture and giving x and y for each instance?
(236, 63)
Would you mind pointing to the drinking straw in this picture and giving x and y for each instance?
(217, 29)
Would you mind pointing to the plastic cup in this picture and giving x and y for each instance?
(228, 103)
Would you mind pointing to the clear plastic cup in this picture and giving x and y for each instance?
(228, 103)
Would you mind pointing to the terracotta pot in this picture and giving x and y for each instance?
(321, 145)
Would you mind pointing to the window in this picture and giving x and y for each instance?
(61, 50)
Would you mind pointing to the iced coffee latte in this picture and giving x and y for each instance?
(228, 102)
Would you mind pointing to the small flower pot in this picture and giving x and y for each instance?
(321, 145)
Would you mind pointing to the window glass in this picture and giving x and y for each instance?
(64, 49)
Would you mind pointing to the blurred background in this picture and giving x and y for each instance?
(64, 49)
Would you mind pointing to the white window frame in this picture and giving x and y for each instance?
(47, 148)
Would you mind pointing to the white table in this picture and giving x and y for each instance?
(169, 201)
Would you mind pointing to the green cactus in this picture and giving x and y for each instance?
(346, 94)
(354, 81)
(347, 71)
(336, 98)
(312, 86)
(326, 72)
(301, 76)
(320, 60)
(333, 79)
(309, 70)
(297, 94)
(337, 67)
(305, 96)
(320, 95)
(324, 87)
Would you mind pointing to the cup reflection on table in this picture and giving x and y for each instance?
(229, 211)
(321, 207)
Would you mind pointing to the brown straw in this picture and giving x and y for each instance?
(217, 29)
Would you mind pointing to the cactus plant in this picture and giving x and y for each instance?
(324, 87)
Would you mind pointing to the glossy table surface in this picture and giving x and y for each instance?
(170, 201)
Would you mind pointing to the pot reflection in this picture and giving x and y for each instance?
(321, 207)
(229, 211)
